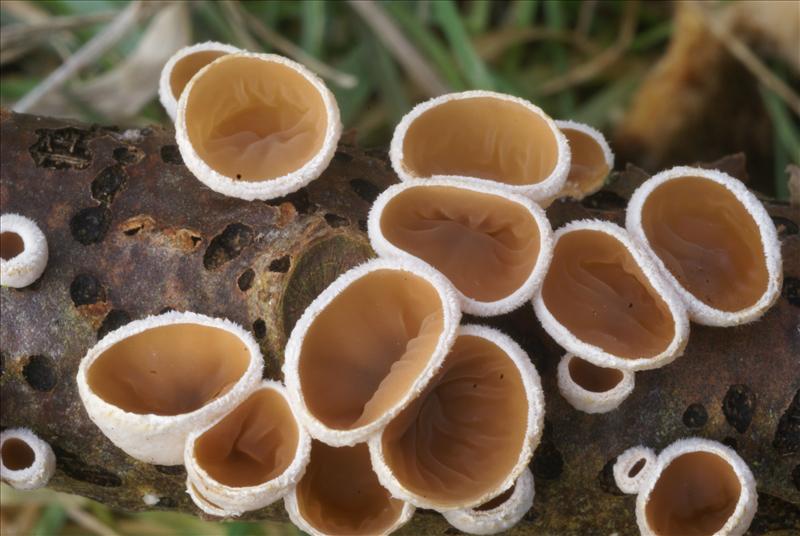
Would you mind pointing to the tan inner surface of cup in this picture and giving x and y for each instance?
(366, 349)
(708, 241)
(497, 501)
(485, 244)
(463, 436)
(694, 496)
(11, 245)
(169, 370)
(255, 120)
(595, 289)
(186, 67)
(339, 493)
(588, 168)
(481, 137)
(17, 454)
(593, 378)
(253, 444)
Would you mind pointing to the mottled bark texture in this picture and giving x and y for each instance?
(132, 233)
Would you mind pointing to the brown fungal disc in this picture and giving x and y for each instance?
(17, 454)
(254, 443)
(339, 493)
(463, 435)
(708, 241)
(482, 137)
(694, 495)
(597, 290)
(486, 245)
(186, 67)
(11, 245)
(169, 370)
(255, 120)
(365, 350)
(593, 378)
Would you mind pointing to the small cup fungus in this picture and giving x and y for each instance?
(150, 383)
(480, 137)
(603, 299)
(23, 251)
(592, 159)
(492, 245)
(590, 388)
(256, 126)
(695, 487)
(471, 433)
(26, 461)
(713, 240)
(250, 457)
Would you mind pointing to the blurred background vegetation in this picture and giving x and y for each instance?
(667, 82)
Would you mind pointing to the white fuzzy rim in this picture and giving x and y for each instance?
(204, 504)
(500, 518)
(746, 506)
(451, 318)
(592, 401)
(25, 268)
(293, 509)
(595, 354)
(165, 95)
(270, 188)
(38, 473)
(533, 433)
(699, 311)
(525, 292)
(627, 461)
(546, 188)
(160, 439)
(596, 135)
(237, 500)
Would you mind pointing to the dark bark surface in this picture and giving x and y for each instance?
(132, 233)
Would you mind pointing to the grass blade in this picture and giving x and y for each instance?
(471, 64)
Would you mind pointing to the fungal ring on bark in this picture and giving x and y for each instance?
(26, 461)
(695, 486)
(367, 346)
(256, 126)
(712, 240)
(248, 458)
(480, 137)
(471, 433)
(604, 300)
(150, 383)
(591, 162)
(492, 245)
(23, 251)
(590, 388)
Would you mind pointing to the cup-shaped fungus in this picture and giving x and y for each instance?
(367, 346)
(339, 494)
(471, 433)
(492, 245)
(250, 457)
(23, 251)
(256, 126)
(26, 461)
(182, 66)
(592, 159)
(696, 487)
(500, 513)
(603, 299)
(712, 239)
(482, 136)
(150, 383)
(590, 388)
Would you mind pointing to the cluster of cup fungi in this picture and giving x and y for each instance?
(389, 403)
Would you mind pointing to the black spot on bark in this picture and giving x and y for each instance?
(166, 310)
(115, 318)
(547, 460)
(227, 245)
(362, 224)
(245, 280)
(605, 478)
(75, 468)
(90, 225)
(128, 155)
(731, 442)
(775, 514)
(791, 289)
(86, 290)
(342, 157)
(40, 373)
(62, 148)
(787, 433)
(605, 200)
(298, 199)
(167, 502)
(365, 189)
(170, 154)
(785, 226)
(108, 183)
(334, 220)
(260, 329)
(695, 416)
(738, 406)
(281, 265)
(172, 470)
(796, 477)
